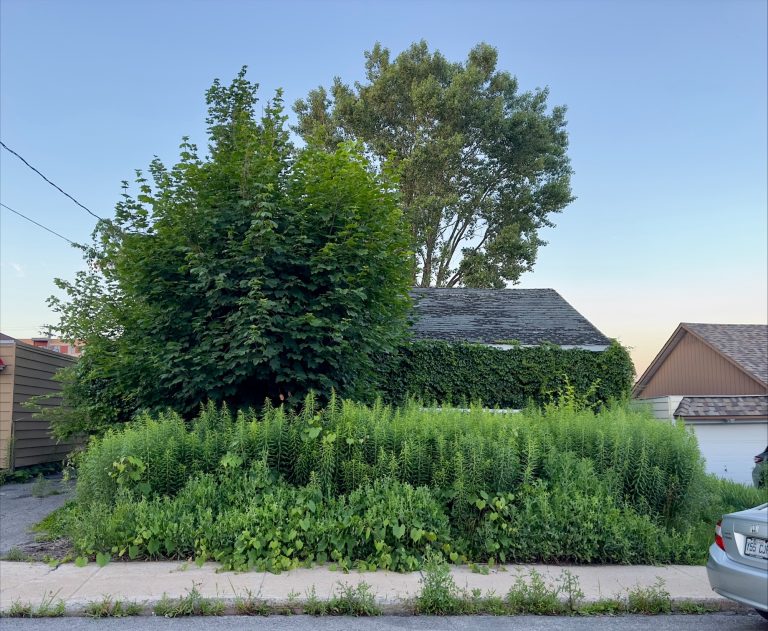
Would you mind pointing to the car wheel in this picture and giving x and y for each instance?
(764, 614)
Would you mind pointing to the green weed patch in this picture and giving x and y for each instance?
(377, 487)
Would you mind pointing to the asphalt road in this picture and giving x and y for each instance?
(20, 509)
(709, 622)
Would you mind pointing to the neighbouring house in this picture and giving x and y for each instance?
(714, 377)
(54, 344)
(502, 318)
(27, 371)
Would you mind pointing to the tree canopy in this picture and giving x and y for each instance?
(482, 166)
(257, 271)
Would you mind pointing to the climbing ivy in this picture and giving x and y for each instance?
(460, 373)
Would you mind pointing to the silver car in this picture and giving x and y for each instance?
(738, 559)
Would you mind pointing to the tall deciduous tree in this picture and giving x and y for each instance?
(257, 271)
(482, 166)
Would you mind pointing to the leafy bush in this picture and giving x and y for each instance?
(254, 521)
(259, 270)
(461, 373)
(377, 487)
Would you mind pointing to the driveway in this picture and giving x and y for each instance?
(22, 505)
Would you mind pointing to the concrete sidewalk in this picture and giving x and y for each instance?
(146, 583)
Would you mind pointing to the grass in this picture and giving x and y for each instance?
(654, 599)
(347, 600)
(49, 607)
(192, 604)
(108, 607)
(533, 595)
(43, 487)
(14, 554)
(250, 605)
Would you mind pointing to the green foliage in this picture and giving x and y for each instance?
(376, 487)
(462, 373)
(482, 166)
(248, 604)
(192, 604)
(49, 607)
(43, 487)
(16, 555)
(439, 595)
(761, 476)
(260, 271)
(109, 607)
(654, 599)
(24, 474)
(346, 600)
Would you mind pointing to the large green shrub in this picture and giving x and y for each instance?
(383, 487)
(260, 270)
(460, 373)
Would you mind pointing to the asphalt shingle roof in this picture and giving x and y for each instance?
(745, 344)
(493, 316)
(756, 405)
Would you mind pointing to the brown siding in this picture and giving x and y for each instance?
(693, 368)
(8, 354)
(32, 442)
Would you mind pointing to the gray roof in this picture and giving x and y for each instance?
(745, 344)
(494, 316)
(756, 405)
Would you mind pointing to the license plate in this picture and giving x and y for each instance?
(756, 548)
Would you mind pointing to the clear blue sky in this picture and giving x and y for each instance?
(666, 108)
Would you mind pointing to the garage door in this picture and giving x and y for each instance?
(729, 448)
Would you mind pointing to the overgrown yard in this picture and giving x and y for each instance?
(377, 487)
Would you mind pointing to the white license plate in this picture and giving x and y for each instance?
(755, 547)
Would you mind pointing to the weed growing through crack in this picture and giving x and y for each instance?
(14, 554)
(439, 593)
(193, 604)
(534, 596)
(654, 599)
(109, 608)
(351, 600)
(248, 604)
(19, 609)
(347, 600)
(43, 487)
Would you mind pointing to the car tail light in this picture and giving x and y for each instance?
(719, 535)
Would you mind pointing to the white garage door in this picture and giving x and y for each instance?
(729, 448)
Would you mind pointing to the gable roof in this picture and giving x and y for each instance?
(756, 405)
(743, 345)
(499, 316)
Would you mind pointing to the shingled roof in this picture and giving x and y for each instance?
(497, 316)
(744, 344)
(702, 407)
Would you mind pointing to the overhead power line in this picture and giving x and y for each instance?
(61, 190)
(38, 224)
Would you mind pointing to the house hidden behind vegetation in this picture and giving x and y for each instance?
(502, 348)
(715, 378)
(502, 318)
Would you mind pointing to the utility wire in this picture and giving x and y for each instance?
(61, 190)
(38, 224)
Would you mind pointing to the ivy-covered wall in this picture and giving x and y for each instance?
(459, 373)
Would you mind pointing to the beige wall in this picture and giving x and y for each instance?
(8, 355)
(693, 368)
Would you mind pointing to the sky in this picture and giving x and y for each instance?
(667, 110)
